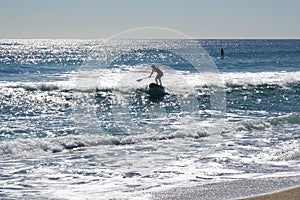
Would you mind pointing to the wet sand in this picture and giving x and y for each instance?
(242, 189)
(288, 194)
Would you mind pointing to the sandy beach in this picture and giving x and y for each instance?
(288, 194)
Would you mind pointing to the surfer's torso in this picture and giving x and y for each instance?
(157, 70)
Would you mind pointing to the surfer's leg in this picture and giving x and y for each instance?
(159, 78)
(160, 82)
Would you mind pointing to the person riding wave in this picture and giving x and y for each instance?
(159, 74)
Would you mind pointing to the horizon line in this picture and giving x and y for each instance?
(198, 38)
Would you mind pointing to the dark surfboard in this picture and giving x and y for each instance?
(155, 90)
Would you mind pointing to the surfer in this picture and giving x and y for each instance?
(159, 74)
(222, 53)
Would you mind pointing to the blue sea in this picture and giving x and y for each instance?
(76, 123)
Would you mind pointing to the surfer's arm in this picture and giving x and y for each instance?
(151, 74)
(153, 70)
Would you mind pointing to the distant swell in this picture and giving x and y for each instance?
(287, 119)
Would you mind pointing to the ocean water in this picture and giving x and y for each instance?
(75, 123)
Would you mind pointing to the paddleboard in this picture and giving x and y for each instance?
(155, 90)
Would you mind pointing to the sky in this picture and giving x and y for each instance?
(198, 19)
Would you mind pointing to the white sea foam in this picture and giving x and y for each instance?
(179, 82)
(112, 166)
(261, 78)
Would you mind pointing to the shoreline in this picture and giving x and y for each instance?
(285, 194)
(241, 189)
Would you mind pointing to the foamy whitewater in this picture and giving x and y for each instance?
(75, 123)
